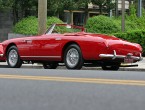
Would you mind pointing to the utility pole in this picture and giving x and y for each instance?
(139, 12)
(123, 16)
(111, 13)
(116, 7)
(42, 16)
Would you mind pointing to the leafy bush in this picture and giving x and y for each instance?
(129, 25)
(53, 20)
(134, 36)
(101, 24)
(29, 26)
(132, 22)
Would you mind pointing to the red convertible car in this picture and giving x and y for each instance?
(72, 46)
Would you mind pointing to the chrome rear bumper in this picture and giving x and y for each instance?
(115, 56)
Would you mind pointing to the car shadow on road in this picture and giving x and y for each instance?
(4, 66)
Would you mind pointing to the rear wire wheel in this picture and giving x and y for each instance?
(13, 58)
(73, 58)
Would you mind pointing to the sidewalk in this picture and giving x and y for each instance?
(140, 67)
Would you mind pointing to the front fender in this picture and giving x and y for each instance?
(2, 52)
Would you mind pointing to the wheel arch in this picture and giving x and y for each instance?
(13, 61)
(11, 44)
(66, 45)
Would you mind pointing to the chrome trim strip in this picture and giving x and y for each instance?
(114, 56)
(58, 39)
(1, 55)
(42, 56)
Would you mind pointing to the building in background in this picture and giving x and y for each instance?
(77, 17)
(126, 5)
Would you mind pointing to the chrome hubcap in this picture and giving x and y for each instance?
(13, 57)
(72, 57)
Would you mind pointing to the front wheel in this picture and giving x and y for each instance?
(13, 58)
(73, 58)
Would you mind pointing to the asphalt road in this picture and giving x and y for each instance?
(40, 89)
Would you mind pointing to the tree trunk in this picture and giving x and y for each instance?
(86, 14)
(116, 8)
(129, 6)
(15, 12)
(71, 17)
(101, 9)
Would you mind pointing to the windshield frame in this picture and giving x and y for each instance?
(51, 28)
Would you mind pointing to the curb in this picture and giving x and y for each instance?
(132, 69)
(39, 66)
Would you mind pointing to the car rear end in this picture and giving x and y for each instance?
(122, 51)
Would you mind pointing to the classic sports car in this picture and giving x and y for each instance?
(71, 45)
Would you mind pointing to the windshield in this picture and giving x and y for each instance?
(63, 28)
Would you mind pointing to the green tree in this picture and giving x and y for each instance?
(23, 8)
(109, 5)
(55, 7)
(5, 4)
(104, 4)
(100, 3)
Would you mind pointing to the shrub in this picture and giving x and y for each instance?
(29, 25)
(53, 20)
(101, 24)
(132, 22)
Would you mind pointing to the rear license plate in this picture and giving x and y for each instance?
(128, 60)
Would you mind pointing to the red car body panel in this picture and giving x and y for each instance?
(51, 47)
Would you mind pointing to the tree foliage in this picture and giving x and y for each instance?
(104, 4)
(101, 24)
(29, 25)
(25, 8)
(5, 4)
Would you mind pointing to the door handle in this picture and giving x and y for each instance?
(125, 44)
(28, 40)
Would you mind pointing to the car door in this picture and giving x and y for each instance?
(24, 47)
(47, 47)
